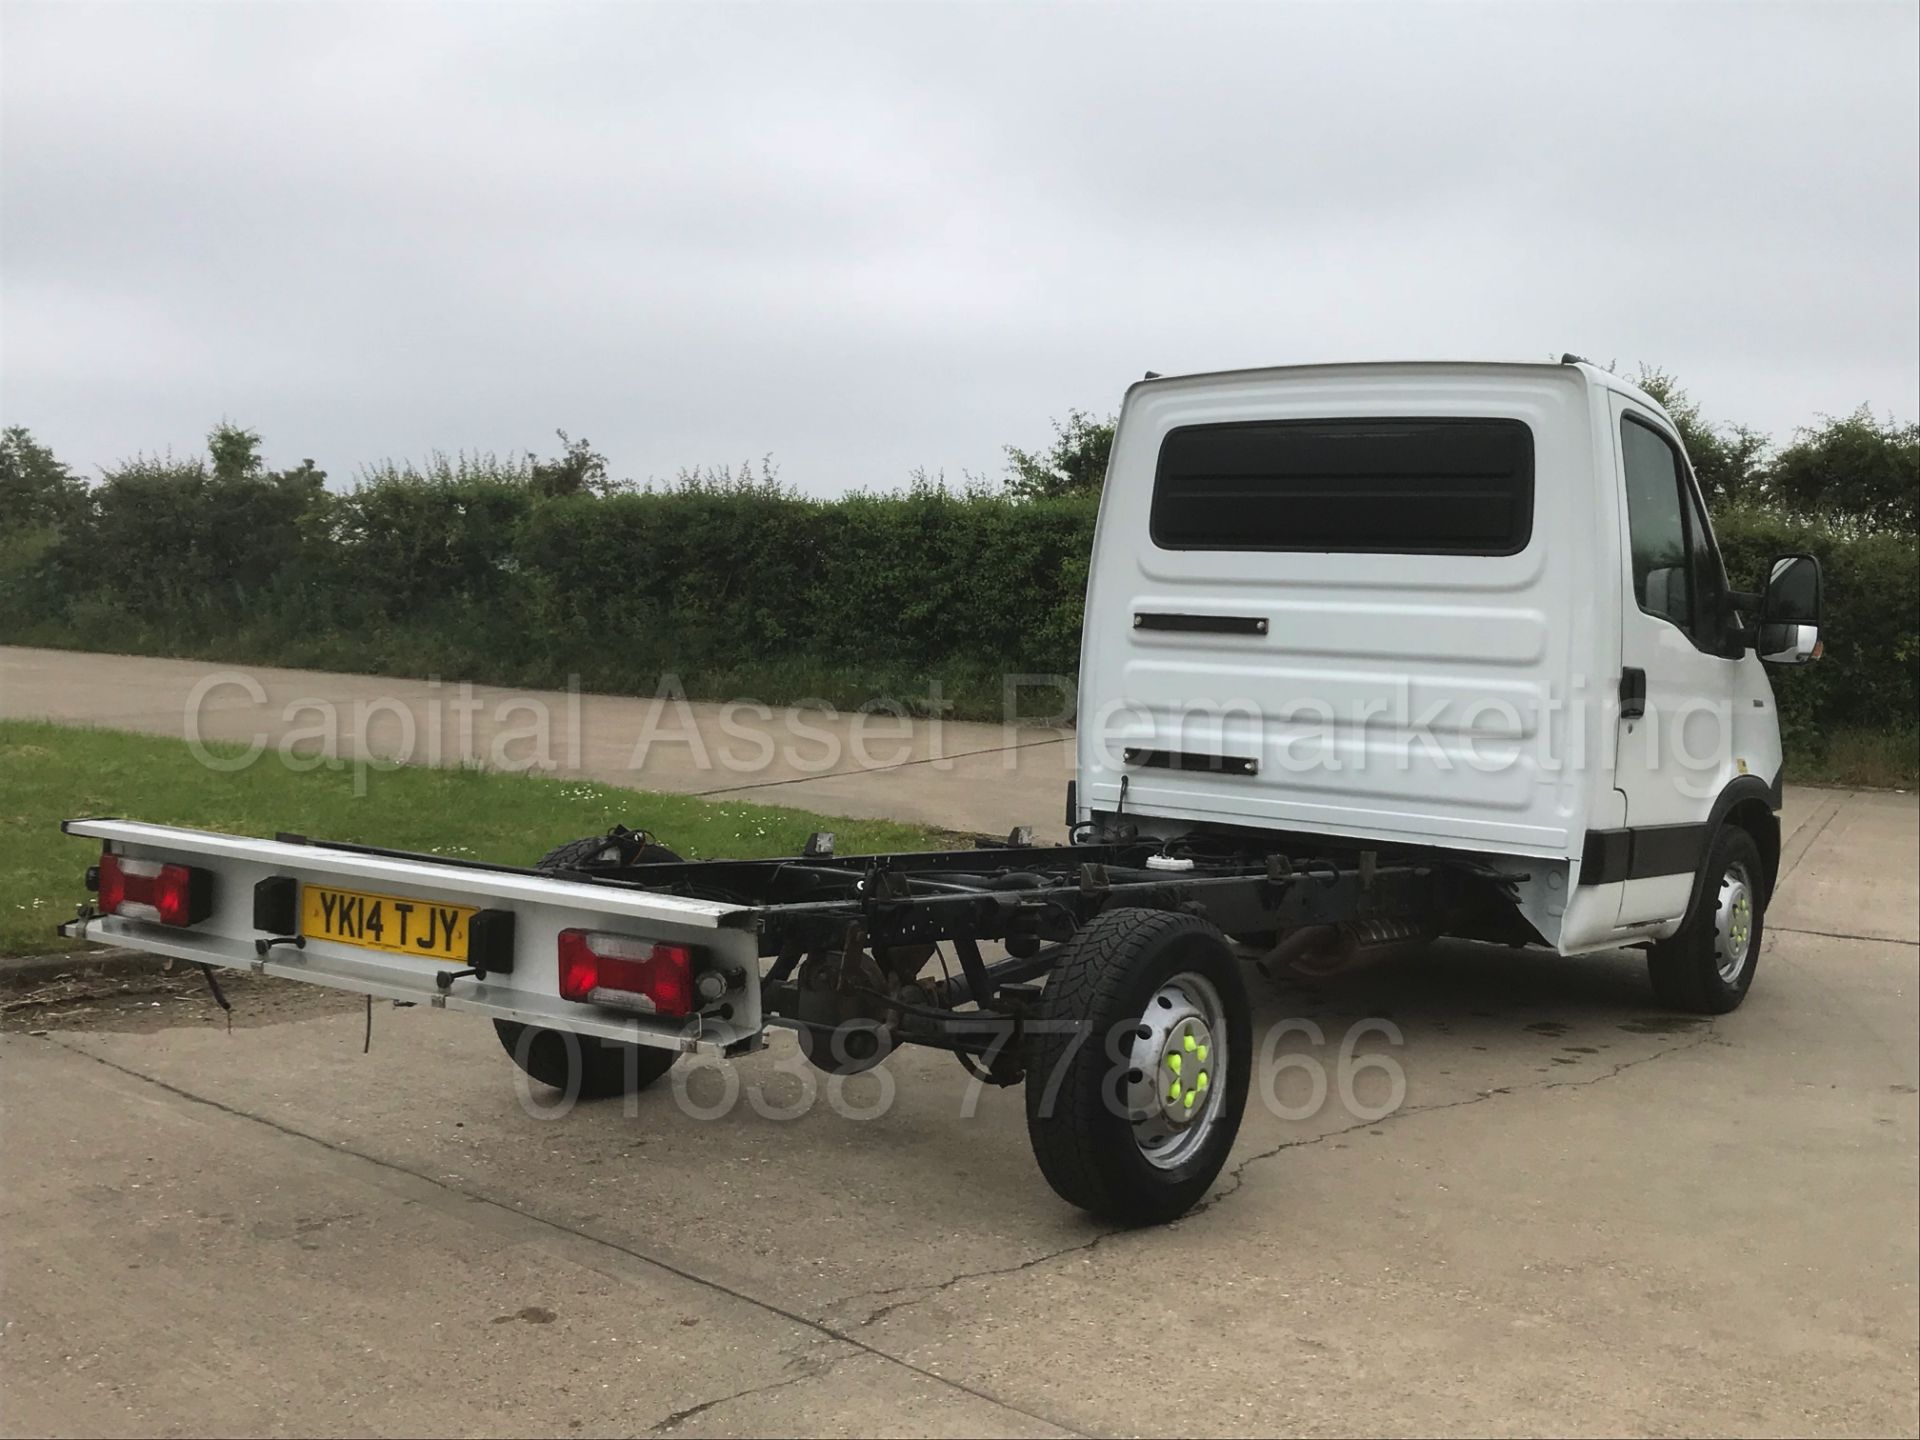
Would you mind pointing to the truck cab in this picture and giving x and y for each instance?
(1462, 609)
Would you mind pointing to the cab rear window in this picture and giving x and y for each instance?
(1401, 486)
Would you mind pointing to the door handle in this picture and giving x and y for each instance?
(1633, 693)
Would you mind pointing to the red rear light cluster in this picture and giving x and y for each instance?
(601, 969)
(150, 890)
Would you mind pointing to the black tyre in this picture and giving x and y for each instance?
(1707, 968)
(1130, 1109)
(620, 846)
(584, 1067)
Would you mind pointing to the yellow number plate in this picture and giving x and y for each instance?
(421, 928)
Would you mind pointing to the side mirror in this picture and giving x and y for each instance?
(1790, 612)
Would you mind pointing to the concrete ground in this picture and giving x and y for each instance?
(1583, 1215)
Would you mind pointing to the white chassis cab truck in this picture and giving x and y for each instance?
(1372, 654)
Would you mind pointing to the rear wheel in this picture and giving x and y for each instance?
(1138, 1065)
(1707, 968)
(585, 1067)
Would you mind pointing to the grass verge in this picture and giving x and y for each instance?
(49, 773)
(1871, 759)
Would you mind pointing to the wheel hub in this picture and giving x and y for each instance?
(1182, 1067)
(1177, 1065)
(1733, 924)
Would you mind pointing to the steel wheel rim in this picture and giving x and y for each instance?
(1733, 924)
(1178, 1068)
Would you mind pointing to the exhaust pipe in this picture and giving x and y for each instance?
(1317, 951)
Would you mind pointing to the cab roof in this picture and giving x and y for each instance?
(1595, 374)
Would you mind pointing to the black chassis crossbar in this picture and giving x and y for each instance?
(993, 892)
(1236, 903)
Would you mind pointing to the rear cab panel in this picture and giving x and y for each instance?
(1448, 700)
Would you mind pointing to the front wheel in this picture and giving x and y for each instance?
(1707, 968)
(1138, 1064)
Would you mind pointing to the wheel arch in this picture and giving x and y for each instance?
(1750, 804)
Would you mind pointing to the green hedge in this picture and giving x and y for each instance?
(1869, 677)
(737, 590)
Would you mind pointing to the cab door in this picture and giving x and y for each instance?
(1680, 667)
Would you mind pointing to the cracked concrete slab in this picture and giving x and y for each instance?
(293, 1304)
(1521, 1245)
(1864, 886)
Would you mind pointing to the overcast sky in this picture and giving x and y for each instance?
(866, 239)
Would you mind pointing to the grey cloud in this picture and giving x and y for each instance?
(871, 238)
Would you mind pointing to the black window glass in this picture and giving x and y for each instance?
(1413, 486)
(1661, 572)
